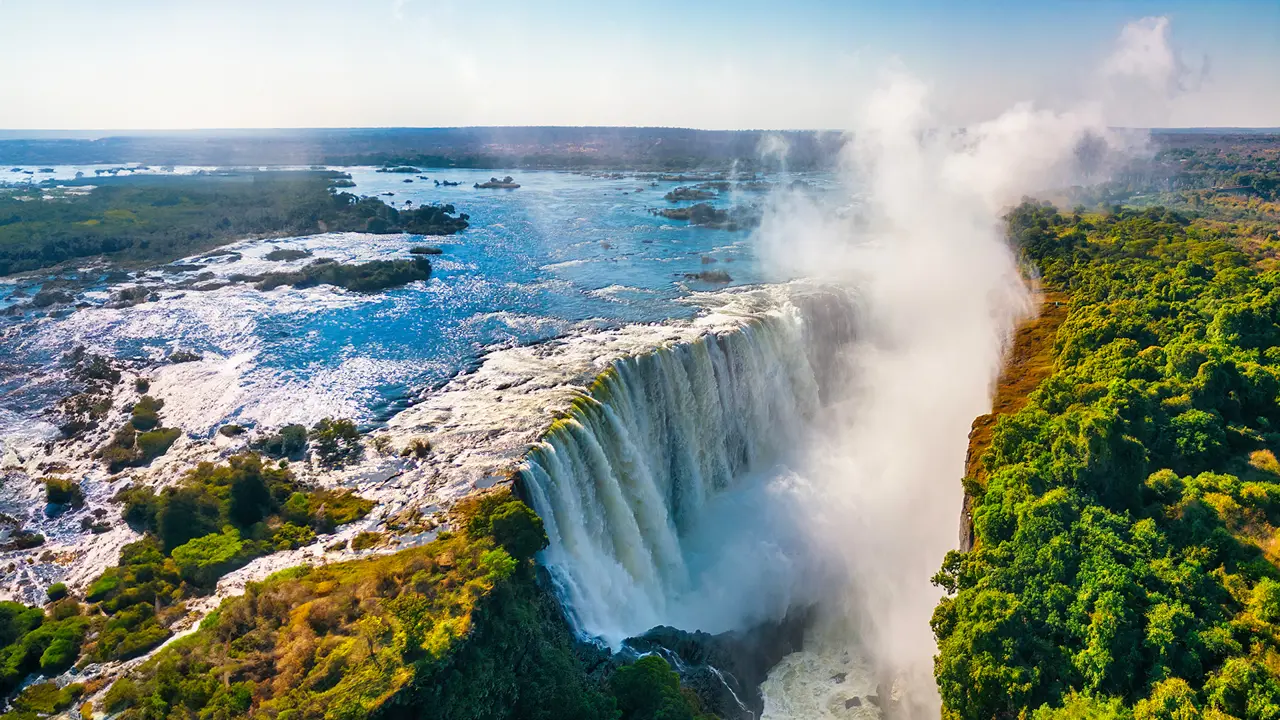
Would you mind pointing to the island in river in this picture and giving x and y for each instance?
(148, 219)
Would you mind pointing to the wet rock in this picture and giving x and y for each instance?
(46, 298)
(852, 702)
(725, 670)
(184, 356)
(710, 276)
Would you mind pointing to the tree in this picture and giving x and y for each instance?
(250, 498)
(518, 528)
(185, 514)
(649, 689)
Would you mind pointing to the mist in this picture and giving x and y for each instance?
(920, 238)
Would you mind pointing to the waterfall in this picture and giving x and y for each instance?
(659, 487)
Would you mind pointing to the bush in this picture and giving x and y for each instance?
(290, 441)
(418, 447)
(649, 689)
(61, 491)
(366, 540)
(57, 591)
(203, 560)
(291, 536)
(231, 430)
(155, 443)
(145, 414)
(335, 442)
(518, 528)
(47, 698)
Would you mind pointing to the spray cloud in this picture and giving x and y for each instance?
(922, 241)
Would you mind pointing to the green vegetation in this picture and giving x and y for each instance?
(417, 447)
(38, 641)
(1126, 516)
(704, 215)
(285, 254)
(682, 194)
(649, 688)
(369, 214)
(140, 440)
(231, 430)
(159, 218)
(62, 491)
(217, 519)
(458, 628)
(372, 276)
(335, 442)
(289, 442)
(366, 540)
(42, 700)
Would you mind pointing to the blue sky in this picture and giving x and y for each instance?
(748, 64)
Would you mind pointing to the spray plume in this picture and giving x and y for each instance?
(922, 241)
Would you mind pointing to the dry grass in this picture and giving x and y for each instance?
(1030, 361)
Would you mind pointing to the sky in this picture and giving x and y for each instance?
(798, 64)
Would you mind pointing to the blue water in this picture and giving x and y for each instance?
(564, 250)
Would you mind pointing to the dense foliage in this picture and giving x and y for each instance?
(33, 640)
(1126, 531)
(458, 628)
(218, 518)
(157, 218)
(141, 439)
(372, 276)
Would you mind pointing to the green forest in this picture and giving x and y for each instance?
(159, 218)
(1125, 522)
(457, 628)
(214, 520)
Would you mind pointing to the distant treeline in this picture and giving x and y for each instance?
(158, 218)
(499, 147)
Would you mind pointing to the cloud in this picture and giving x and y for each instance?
(1145, 74)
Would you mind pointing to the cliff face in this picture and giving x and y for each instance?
(1030, 361)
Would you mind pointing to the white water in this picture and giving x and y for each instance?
(663, 491)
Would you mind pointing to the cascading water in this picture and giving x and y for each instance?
(661, 490)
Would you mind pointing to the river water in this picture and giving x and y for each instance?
(563, 251)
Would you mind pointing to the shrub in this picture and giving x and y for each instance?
(518, 529)
(418, 447)
(203, 560)
(61, 491)
(366, 540)
(291, 536)
(47, 698)
(57, 591)
(290, 441)
(155, 443)
(649, 688)
(335, 442)
(146, 413)
(231, 430)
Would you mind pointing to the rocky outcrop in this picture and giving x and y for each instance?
(725, 670)
(506, 183)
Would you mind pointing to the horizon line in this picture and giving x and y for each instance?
(15, 133)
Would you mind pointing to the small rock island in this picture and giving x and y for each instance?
(506, 183)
